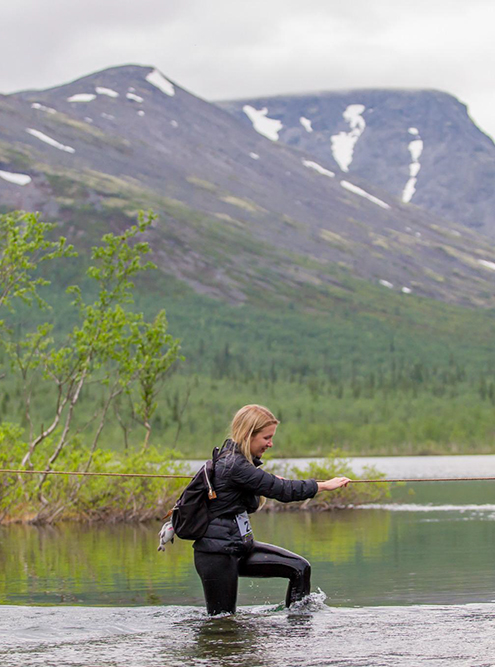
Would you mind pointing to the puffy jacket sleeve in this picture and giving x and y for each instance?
(254, 480)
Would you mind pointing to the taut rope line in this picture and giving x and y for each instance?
(89, 474)
(164, 476)
(425, 479)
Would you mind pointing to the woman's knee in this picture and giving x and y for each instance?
(302, 567)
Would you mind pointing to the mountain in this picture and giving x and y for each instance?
(240, 217)
(418, 145)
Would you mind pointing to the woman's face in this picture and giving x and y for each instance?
(262, 440)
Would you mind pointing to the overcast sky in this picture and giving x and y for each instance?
(221, 49)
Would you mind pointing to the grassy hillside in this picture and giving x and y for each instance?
(374, 373)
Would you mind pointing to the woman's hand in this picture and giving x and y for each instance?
(332, 484)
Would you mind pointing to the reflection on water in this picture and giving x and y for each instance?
(436, 547)
(226, 639)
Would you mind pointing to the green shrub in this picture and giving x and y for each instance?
(86, 498)
(335, 465)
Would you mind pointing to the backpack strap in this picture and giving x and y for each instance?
(209, 473)
(211, 491)
(214, 456)
(224, 450)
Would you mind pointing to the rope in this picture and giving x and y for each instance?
(163, 476)
(100, 474)
(425, 479)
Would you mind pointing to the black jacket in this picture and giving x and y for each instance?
(239, 485)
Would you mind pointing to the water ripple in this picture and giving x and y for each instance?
(313, 635)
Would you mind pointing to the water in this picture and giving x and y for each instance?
(480, 465)
(256, 637)
(406, 583)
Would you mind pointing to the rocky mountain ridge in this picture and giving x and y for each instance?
(418, 145)
(238, 214)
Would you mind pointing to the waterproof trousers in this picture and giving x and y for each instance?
(219, 574)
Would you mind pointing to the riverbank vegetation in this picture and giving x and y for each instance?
(120, 498)
(81, 498)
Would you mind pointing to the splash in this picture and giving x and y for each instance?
(312, 603)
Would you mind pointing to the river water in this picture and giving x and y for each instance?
(407, 582)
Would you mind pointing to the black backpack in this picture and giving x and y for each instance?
(191, 513)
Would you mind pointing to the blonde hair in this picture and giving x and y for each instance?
(248, 421)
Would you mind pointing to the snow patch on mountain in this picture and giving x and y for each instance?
(140, 112)
(415, 149)
(306, 123)
(18, 179)
(317, 167)
(106, 91)
(134, 97)
(255, 156)
(108, 116)
(363, 193)
(51, 142)
(406, 290)
(268, 127)
(157, 79)
(343, 143)
(41, 107)
(385, 283)
(82, 97)
(487, 264)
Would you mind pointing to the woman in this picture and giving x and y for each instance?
(228, 550)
